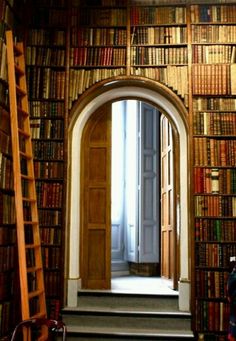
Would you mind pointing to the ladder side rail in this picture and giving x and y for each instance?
(17, 178)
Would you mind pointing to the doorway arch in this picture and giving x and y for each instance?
(167, 102)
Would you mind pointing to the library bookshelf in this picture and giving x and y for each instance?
(187, 45)
(214, 103)
(10, 18)
(46, 82)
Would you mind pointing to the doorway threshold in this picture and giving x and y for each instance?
(142, 285)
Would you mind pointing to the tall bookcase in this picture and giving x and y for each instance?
(46, 76)
(10, 18)
(188, 46)
(158, 45)
(213, 35)
(98, 44)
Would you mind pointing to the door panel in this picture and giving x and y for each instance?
(167, 219)
(118, 262)
(96, 200)
(149, 185)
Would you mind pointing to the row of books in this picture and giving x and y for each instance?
(51, 257)
(47, 150)
(216, 317)
(214, 152)
(107, 17)
(46, 109)
(49, 194)
(214, 206)
(45, 56)
(6, 13)
(6, 176)
(45, 83)
(91, 36)
(53, 308)
(82, 79)
(97, 56)
(157, 15)
(215, 230)
(42, 17)
(49, 217)
(52, 280)
(50, 3)
(215, 123)
(7, 235)
(213, 13)
(6, 290)
(159, 35)
(4, 98)
(214, 254)
(48, 170)
(212, 54)
(46, 37)
(7, 207)
(213, 34)
(7, 254)
(141, 55)
(3, 59)
(175, 77)
(210, 79)
(6, 309)
(47, 128)
(214, 180)
(211, 284)
(50, 235)
(214, 103)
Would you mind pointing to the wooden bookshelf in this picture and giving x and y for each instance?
(10, 18)
(46, 76)
(214, 140)
(188, 46)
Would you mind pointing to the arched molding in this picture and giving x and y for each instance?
(168, 103)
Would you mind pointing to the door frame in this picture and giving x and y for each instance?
(167, 102)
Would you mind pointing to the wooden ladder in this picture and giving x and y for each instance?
(33, 304)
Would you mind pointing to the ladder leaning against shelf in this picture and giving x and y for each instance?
(33, 304)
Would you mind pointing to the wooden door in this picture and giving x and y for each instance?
(148, 192)
(96, 201)
(167, 219)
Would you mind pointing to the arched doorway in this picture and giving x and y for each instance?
(164, 99)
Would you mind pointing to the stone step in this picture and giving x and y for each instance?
(112, 335)
(112, 316)
(90, 300)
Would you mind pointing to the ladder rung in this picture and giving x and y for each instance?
(23, 112)
(32, 246)
(35, 293)
(29, 222)
(19, 71)
(24, 133)
(33, 269)
(27, 156)
(20, 91)
(28, 199)
(17, 50)
(39, 315)
(27, 177)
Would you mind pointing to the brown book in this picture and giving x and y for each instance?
(233, 79)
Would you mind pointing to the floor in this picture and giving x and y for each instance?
(142, 285)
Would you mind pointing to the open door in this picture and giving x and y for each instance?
(167, 186)
(142, 183)
(96, 201)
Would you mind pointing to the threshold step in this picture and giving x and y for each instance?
(81, 333)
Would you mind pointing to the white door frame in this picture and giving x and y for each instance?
(168, 103)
